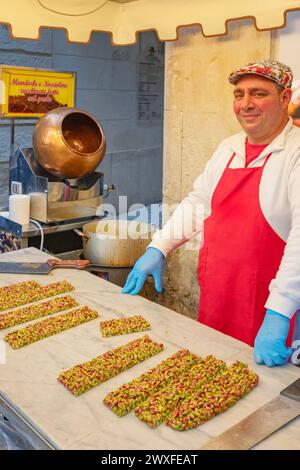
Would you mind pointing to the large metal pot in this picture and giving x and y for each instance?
(68, 142)
(115, 243)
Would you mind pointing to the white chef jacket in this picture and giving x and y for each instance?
(279, 197)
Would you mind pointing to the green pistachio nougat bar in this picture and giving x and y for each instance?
(83, 377)
(25, 314)
(128, 396)
(157, 407)
(27, 292)
(124, 326)
(14, 294)
(50, 326)
(213, 397)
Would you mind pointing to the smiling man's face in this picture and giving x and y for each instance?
(261, 108)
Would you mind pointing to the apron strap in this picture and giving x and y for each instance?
(230, 160)
(266, 160)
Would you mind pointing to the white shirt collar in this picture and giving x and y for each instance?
(238, 141)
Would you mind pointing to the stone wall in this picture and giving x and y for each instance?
(113, 85)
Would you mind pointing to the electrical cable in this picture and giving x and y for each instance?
(73, 14)
(41, 230)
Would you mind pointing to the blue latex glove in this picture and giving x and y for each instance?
(269, 345)
(151, 262)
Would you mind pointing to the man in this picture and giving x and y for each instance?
(249, 262)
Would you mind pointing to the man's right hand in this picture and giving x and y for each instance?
(151, 263)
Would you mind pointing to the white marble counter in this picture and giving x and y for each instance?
(28, 380)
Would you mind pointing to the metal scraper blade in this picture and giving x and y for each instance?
(257, 426)
(24, 268)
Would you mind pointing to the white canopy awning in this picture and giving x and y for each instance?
(124, 18)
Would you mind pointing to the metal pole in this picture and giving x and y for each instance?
(12, 136)
(12, 146)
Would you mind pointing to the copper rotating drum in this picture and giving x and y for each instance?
(68, 142)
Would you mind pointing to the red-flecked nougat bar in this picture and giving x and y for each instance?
(128, 396)
(27, 292)
(83, 377)
(25, 314)
(124, 326)
(157, 407)
(213, 397)
(50, 326)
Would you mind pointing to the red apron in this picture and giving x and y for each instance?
(240, 256)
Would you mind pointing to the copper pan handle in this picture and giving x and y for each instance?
(81, 234)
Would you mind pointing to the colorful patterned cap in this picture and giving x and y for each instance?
(271, 69)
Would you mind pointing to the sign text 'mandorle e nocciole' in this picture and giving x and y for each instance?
(29, 92)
